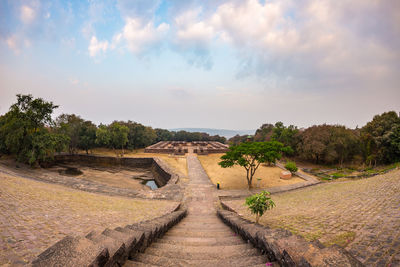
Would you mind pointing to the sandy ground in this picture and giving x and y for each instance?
(35, 215)
(178, 163)
(235, 177)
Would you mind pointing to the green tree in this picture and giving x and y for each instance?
(25, 130)
(103, 136)
(87, 136)
(259, 204)
(118, 136)
(70, 125)
(251, 154)
(379, 138)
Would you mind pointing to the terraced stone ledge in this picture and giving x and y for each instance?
(111, 247)
(288, 249)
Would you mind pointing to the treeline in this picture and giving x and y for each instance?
(377, 142)
(28, 131)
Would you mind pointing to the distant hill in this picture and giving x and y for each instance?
(221, 132)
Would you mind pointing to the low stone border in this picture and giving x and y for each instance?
(110, 247)
(288, 249)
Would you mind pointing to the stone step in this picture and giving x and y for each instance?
(201, 226)
(191, 253)
(211, 228)
(174, 262)
(202, 248)
(190, 233)
(116, 249)
(201, 241)
(132, 263)
(73, 251)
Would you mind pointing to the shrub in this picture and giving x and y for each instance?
(291, 166)
(259, 203)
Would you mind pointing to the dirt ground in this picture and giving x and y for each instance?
(177, 163)
(235, 177)
(35, 215)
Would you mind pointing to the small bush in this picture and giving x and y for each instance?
(259, 203)
(291, 166)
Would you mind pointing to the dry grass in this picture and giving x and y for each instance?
(235, 177)
(177, 163)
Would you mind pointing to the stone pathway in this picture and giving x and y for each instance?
(200, 239)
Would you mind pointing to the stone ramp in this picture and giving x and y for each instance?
(200, 239)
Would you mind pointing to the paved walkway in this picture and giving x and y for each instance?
(200, 239)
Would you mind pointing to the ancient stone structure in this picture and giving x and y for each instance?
(181, 147)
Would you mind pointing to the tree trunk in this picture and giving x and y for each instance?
(257, 217)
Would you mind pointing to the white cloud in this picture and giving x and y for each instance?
(191, 32)
(140, 36)
(96, 47)
(28, 14)
(12, 43)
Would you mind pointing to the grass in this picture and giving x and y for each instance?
(351, 172)
(235, 177)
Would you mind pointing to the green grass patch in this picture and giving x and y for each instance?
(342, 239)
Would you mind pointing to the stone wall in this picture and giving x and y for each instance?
(111, 247)
(288, 249)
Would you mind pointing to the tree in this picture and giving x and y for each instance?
(251, 154)
(379, 138)
(103, 136)
(70, 125)
(118, 136)
(87, 136)
(259, 204)
(25, 130)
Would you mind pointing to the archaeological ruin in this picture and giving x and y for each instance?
(182, 147)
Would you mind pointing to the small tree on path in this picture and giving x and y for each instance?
(251, 154)
(259, 204)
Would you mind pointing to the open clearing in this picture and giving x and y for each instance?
(235, 177)
(34, 215)
(361, 215)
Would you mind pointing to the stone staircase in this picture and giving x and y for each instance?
(200, 241)
(201, 238)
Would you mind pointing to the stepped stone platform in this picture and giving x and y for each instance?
(181, 147)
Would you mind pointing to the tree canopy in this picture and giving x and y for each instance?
(25, 130)
(251, 154)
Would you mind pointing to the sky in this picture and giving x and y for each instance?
(232, 64)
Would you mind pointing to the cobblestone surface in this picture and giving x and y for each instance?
(35, 215)
(362, 215)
